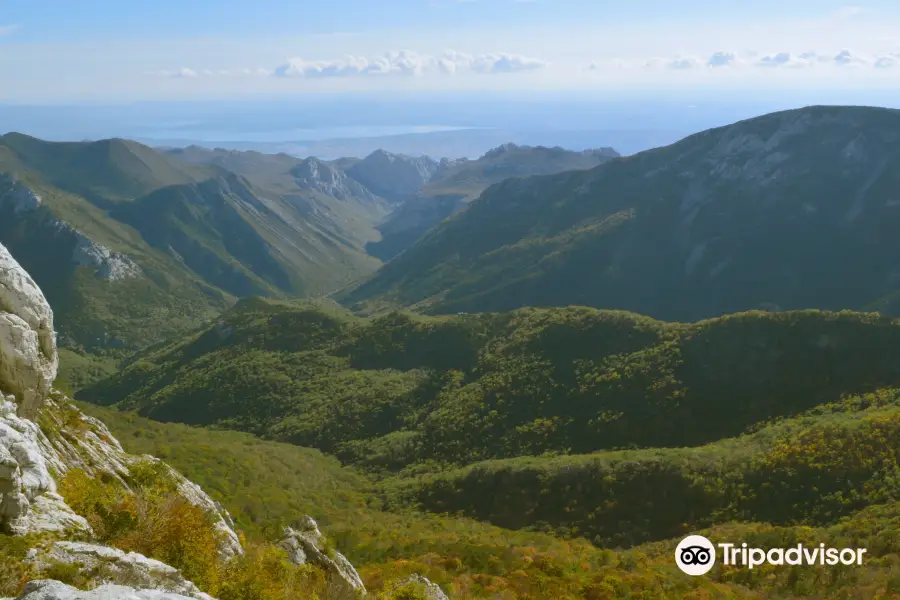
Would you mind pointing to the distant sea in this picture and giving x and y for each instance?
(436, 124)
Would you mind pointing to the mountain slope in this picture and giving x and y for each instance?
(104, 171)
(790, 210)
(455, 183)
(327, 202)
(133, 246)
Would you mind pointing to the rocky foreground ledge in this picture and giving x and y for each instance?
(43, 437)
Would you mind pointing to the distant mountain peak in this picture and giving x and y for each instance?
(394, 176)
(317, 175)
(503, 149)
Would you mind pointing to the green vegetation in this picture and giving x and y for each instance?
(266, 485)
(199, 235)
(473, 560)
(403, 391)
(534, 421)
(708, 226)
(152, 519)
(812, 469)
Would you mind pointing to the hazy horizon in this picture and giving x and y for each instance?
(451, 125)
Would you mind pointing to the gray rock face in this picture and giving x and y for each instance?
(28, 359)
(98, 453)
(16, 195)
(316, 175)
(108, 265)
(54, 590)
(28, 499)
(113, 566)
(306, 545)
(394, 176)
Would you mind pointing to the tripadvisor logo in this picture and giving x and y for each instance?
(696, 555)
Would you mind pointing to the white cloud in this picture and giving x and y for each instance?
(7, 29)
(409, 63)
(680, 64)
(776, 60)
(182, 73)
(845, 58)
(788, 60)
(888, 61)
(722, 59)
(506, 63)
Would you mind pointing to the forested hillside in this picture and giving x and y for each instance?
(403, 390)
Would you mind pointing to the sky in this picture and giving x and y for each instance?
(60, 51)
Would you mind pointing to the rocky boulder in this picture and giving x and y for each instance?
(307, 545)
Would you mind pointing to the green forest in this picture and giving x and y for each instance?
(591, 439)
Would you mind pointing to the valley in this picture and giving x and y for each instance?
(521, 376)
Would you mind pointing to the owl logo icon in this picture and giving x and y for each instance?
(695, 555)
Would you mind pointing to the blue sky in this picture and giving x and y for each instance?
(61, 51)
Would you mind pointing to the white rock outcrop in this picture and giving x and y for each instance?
(16, 196)
(54, 590)
(108, 265)
(114, 566)
(28, 359)
(26, 487)
(306, 545)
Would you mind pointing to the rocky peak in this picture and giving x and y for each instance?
(314, 174)
(394, 176)
(502, 149)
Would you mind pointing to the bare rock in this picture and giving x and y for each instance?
(306, 545)
(54, 590)
(113, 566)
(28, 359)
(108, 265)
(17, 196)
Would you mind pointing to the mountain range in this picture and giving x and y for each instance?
(568, 362)
(791, 210)
(188, 230)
